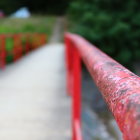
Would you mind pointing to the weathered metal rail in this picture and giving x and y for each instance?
(119, 86)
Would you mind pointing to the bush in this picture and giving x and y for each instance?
(111, 25)
(9, 48)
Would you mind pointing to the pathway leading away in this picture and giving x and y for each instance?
(33, 100)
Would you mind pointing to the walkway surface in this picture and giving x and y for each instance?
(33, 100)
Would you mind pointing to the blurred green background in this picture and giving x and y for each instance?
(33, 24)
(112, 25)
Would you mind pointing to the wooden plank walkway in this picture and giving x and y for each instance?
(33, 100)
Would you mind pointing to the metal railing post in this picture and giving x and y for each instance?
(76, 96)
(17, 46)
(69, 63)
(2, 52)
(73, 75)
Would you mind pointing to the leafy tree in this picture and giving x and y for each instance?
(113, 25)
(9, 6)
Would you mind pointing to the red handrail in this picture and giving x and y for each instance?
(119, 87)
(31, 41)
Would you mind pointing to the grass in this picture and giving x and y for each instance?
(34, 24)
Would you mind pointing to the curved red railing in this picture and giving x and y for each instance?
(119, 86)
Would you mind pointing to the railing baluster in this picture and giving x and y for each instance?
(76, 96)
(2, 52)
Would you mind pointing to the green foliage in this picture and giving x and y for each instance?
(9, 48)
(36, 23)
(9, 44)
(112, 25)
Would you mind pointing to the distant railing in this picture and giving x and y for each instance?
(119, 87)
(19, 45)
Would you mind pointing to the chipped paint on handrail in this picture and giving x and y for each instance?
(119, 86)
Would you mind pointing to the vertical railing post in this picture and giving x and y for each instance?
(76, 96)
(27, 43)
(35, 41)
(43, 39)
(69, 61)
(73, 74)
(17, 46)
(2, 51)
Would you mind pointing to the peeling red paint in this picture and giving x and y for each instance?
(119, 87)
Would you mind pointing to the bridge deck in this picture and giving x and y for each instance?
(33, 100)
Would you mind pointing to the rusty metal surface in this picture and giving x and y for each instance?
(119, 87)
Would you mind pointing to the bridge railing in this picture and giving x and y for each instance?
(119, 86)
(20, 44)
